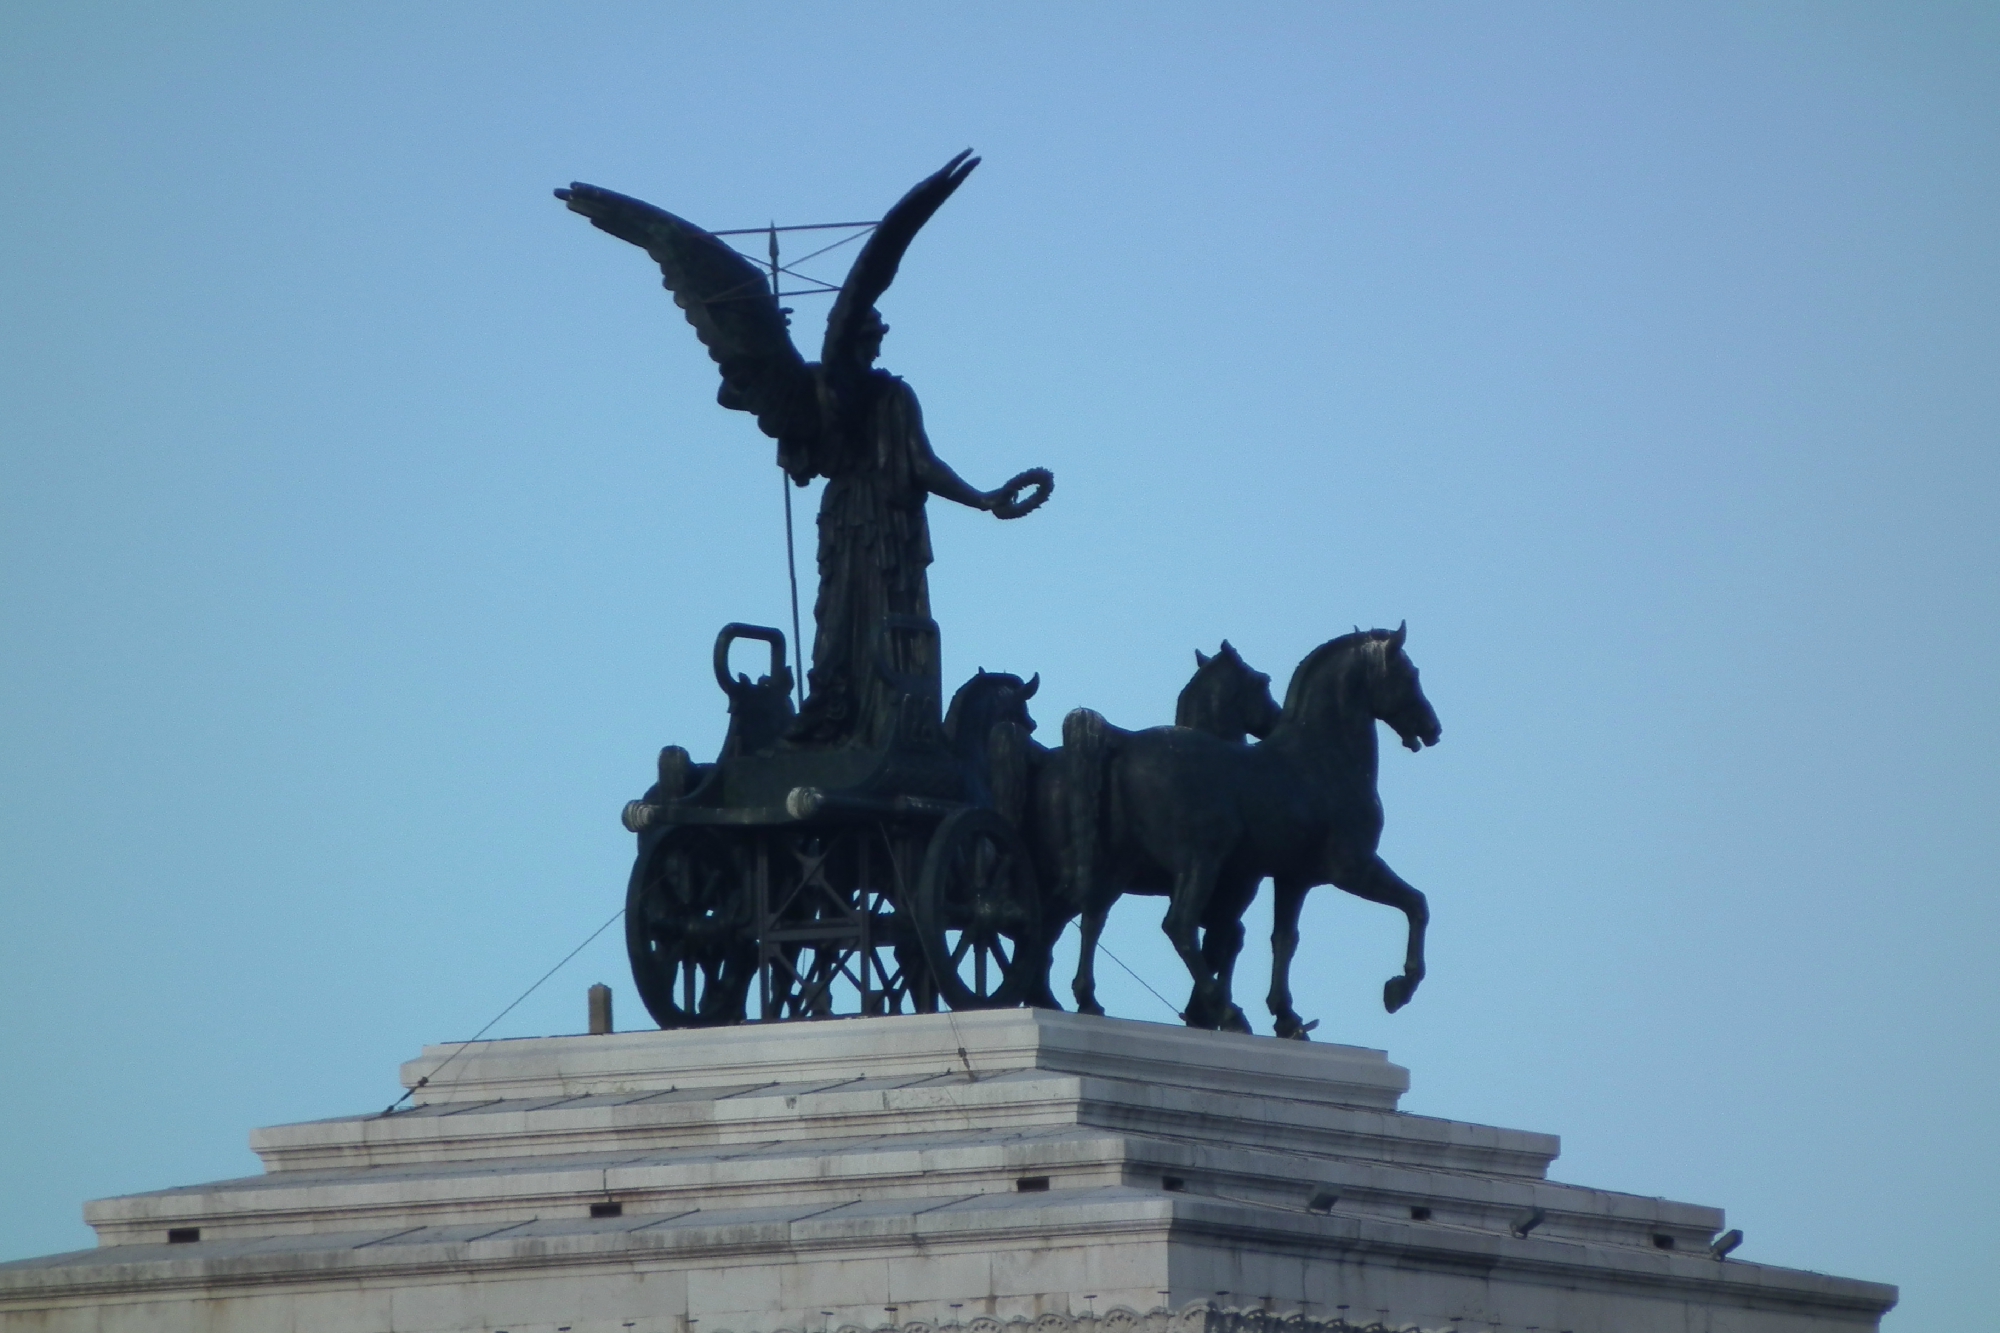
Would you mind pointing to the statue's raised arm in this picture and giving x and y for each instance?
(937, 478)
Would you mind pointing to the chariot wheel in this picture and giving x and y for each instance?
(687, 929)
(978, 913)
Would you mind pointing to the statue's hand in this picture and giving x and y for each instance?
(1008, 502)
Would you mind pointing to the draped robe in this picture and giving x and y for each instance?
(874, 551)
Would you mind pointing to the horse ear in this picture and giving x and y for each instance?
(1228, 649)
(1398, 637)
(1028, 690)
(1201, 658)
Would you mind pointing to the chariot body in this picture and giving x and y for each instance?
(790, 880)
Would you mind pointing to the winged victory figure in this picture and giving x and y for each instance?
(840, 418)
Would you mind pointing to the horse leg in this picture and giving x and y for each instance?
(1089, 926)
(1044, 996)
(1379, 884)
(1288, 896)
(1186, 906)
(1221, 942)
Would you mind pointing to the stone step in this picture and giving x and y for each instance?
(981, 1043)
(899, 1166)
(1013, 1101)
(803, 1265)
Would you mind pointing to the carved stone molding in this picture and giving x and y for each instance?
(1194, 1317)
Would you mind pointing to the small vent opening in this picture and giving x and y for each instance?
(1420, 1214)
(1662, 1241)
(1031, 1184)
(183, 1235)
(1173, 1184)
(607, 1210)
(1322, 1201)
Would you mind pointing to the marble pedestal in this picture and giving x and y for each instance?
(1076, 1174)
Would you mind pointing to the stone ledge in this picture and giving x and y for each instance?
(818, 1172)
(1195, 1317)
(883, 1228)
(1015, 1101)
(914, 1045)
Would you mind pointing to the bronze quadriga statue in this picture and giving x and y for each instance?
(874, 853)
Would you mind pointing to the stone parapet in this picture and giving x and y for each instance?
(984, 1043)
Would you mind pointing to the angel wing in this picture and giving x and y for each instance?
(733, 311)
(875, 267)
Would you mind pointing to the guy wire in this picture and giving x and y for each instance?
(1141, 980)
(424, 1082)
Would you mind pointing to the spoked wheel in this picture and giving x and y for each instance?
(978, 913)
(693, 951)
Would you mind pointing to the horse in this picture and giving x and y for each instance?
(1226, 699)
(1211, 818)
(988, 727)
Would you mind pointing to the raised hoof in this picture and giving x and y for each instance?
(1396, 992)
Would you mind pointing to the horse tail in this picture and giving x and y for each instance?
(1087, 745)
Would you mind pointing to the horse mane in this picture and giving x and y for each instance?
(1315, 661)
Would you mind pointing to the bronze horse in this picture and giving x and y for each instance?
(1212, 818)
(1227, 699)
(989, 728)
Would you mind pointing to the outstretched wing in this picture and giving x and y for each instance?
(731, 306)
(875, 268)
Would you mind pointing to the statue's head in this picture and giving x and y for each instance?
(868, 333)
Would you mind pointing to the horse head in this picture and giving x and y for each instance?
(1364, 672)
(989, 698)
(1399, 697)
(760, 711)
(1227, 697)
(987, 728)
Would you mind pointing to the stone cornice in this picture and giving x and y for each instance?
(1194, 1317)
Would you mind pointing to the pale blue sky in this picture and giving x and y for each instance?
(365, 519)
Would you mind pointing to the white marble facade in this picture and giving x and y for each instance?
(1007, 1170)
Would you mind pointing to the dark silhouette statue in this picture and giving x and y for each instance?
(839, 418)
(876, 852)
(1207, 819)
